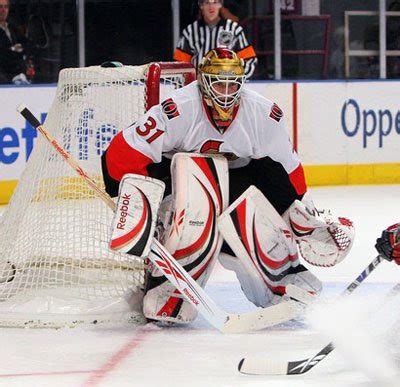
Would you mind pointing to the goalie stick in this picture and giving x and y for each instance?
(175, 273)
(265, 366)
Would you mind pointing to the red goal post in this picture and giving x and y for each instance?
(159, 69)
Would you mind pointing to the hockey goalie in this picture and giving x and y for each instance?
(235, 191)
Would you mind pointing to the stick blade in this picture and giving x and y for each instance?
(262, 318)
(262, 366)
(265, 366)
(27, 114)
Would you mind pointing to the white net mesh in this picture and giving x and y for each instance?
(55, 264)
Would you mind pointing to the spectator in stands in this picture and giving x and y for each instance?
(12, 64)
(213, 29)
(371, 42)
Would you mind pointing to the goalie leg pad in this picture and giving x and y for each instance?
(163, 303)
(266, 253)
(190, 232)
(134, 220)
(304, 279)
(250, 279)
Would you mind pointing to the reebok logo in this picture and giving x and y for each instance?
(123, 211)
(191, 297)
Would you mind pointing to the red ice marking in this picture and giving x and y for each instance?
(115, 360)
(97, 375)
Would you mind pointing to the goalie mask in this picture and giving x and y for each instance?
(221, 78)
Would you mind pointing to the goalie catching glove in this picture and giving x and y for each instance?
(388, 245)
(323, 239)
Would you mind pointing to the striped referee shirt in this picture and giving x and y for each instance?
(198, 38)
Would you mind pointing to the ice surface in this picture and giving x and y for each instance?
(197, 355)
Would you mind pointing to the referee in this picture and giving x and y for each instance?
(211, 31)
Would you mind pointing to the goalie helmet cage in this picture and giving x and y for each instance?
(56, 268)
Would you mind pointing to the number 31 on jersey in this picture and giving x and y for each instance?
(149, 128)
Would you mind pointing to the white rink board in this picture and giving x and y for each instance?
(349, 122)
(320, 106)
(281, 94)
(17, 137)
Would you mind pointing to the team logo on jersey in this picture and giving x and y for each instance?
(276, 113)
(170, 109)
(211, 146)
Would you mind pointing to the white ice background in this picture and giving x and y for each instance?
(364, 327)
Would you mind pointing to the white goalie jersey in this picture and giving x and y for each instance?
(182, 123)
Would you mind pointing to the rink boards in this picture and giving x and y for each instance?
(344, 132)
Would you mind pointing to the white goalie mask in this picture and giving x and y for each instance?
(221, 78)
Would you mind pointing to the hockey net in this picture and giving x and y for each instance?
(56, 268)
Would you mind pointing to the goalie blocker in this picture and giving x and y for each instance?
(134, 220)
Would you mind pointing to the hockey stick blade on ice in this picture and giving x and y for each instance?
(259, 319)
(227, 323)
(266, 366)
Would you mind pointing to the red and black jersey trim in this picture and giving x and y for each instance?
(119, 159)
(271, 178)
(215, 124)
